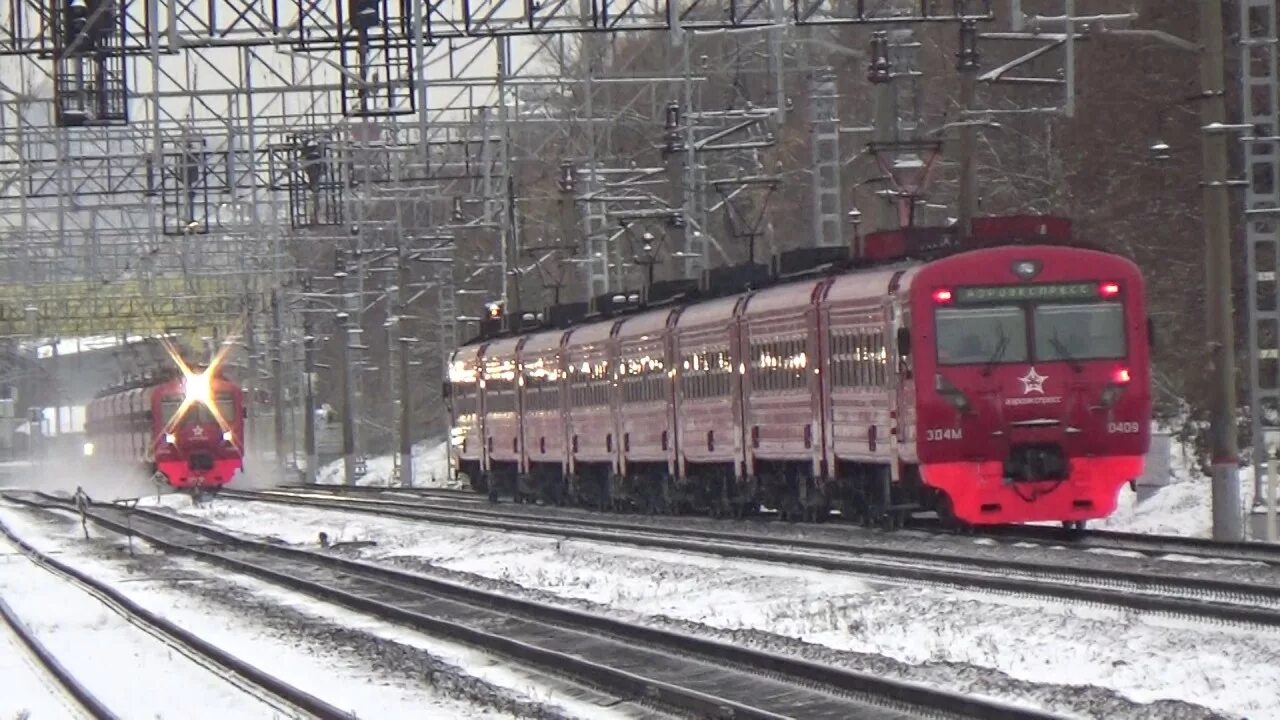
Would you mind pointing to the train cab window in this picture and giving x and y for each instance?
(979, 335)
(198, 412)
(1090, 331)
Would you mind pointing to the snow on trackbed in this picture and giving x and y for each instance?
(131, 672)
(340, 678)
(1142, 658)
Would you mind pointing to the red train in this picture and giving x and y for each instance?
(1003, 381)
(187, 432)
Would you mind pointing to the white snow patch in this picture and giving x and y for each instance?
(430, 468)
(29, 691)
(1116, 553)
(1145, 658)
(334, 678)
(130, 671)
(1183, 507)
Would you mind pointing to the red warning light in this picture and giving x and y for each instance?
(942, 296)
(1121, 376)
(1109, 289)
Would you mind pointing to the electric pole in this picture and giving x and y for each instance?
(406, 408)
(1227, 521)
(277, 376)
(348, 401)
(309, 398)
(967, 66)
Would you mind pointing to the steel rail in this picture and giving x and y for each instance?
(1245, 551)
(747, 683)
(184, 640)
(1142, 543)
(1143, 591)
(80, 693)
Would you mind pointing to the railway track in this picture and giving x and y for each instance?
(260, 684)
(1199, 598)
(1142, 543)
(91, 705)
(672, 671)
(1153, 545)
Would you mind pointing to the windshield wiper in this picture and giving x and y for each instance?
(1066, 355)
(995, 356)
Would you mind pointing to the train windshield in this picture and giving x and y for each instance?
(1058, 331)
(197, 413)
(969, 336)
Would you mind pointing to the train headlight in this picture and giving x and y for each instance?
(197, 388)
(88, 448)
(227, 436)
(171, 438)
(1026, 269)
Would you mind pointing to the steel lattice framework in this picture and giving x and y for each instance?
(1259, 78)
(171, 165)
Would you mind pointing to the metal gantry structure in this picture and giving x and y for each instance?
(1260, 99)
(171, 166)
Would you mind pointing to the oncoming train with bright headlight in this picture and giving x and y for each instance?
(186, 429)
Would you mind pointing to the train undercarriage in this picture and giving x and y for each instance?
(859, 491)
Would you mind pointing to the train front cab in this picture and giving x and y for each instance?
(196, 451)
(1032, 377)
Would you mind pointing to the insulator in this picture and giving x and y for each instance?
(566, 176)
(967, 56)
(879, 70)
(76, 13)
(86, 23)
(672, 117)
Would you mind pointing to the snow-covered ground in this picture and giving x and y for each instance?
(350, 660)
(1183, 507)
(28, 690)
(430, 468)
(130, 671)
(984, 643)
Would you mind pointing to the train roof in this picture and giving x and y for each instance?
(654, 321)
(877, 254)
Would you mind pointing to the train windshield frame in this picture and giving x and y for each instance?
(1030, 332)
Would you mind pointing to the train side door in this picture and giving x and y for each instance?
(739, 351)
(671, 438)
(522, 457)
(819, 349)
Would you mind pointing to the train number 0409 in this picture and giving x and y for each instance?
(1123, 428)
(943, 434)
